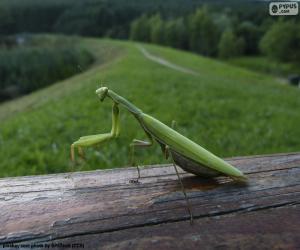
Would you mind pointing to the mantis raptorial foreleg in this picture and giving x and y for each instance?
(138, 143)
(91, 140)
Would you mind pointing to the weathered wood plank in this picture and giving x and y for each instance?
(257, 230)
(103, 207)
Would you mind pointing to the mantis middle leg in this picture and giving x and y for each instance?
(138, 143)
(91, 140)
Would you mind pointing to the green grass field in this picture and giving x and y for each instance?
(266, 65)
(228, 110)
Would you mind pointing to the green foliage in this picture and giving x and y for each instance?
(175, 34)
(83, 17)
(91, 17)
(282, 41)
(140, 29)
(228, 110)
(157, 28)
(153, 29)
(200, 34)
(95, 18)
(223, 20)
(230, 45)
(24, 69)
(176, 21)
(31, 15)
(251, 34)
(203, 33)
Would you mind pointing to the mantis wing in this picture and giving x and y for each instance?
(187, 148)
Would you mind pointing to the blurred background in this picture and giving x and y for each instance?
(241, 96)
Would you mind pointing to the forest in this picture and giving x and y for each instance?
(210, 28)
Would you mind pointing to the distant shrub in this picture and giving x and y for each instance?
(282, 41)
(157, 27)
(203, 33)
(230, 45)
(176, 34)
(140, 29)
(251, 34)
(25, 69)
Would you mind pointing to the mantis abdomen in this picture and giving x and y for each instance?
(185, 149)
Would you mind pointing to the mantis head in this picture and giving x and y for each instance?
(102, 92)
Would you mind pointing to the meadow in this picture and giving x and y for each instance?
(266, 65)
(227, 109)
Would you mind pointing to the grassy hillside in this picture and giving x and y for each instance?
(266, 65)
(229, 110)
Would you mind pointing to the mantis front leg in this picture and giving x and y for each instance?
(92, 140)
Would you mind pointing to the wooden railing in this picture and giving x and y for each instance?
(103, 210)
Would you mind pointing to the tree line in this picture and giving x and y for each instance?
(239, 28)
(221, 34)
(83, 17)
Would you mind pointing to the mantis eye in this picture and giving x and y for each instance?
(102, 92)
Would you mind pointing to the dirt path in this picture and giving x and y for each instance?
(166, 63)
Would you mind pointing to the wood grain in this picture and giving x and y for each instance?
(102, 210)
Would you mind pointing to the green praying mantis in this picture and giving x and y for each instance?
(184, 152)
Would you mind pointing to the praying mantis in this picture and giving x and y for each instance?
(185, 153)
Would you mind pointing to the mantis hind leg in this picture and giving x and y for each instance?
(167, 153)
(189, 207)
(138, 144)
